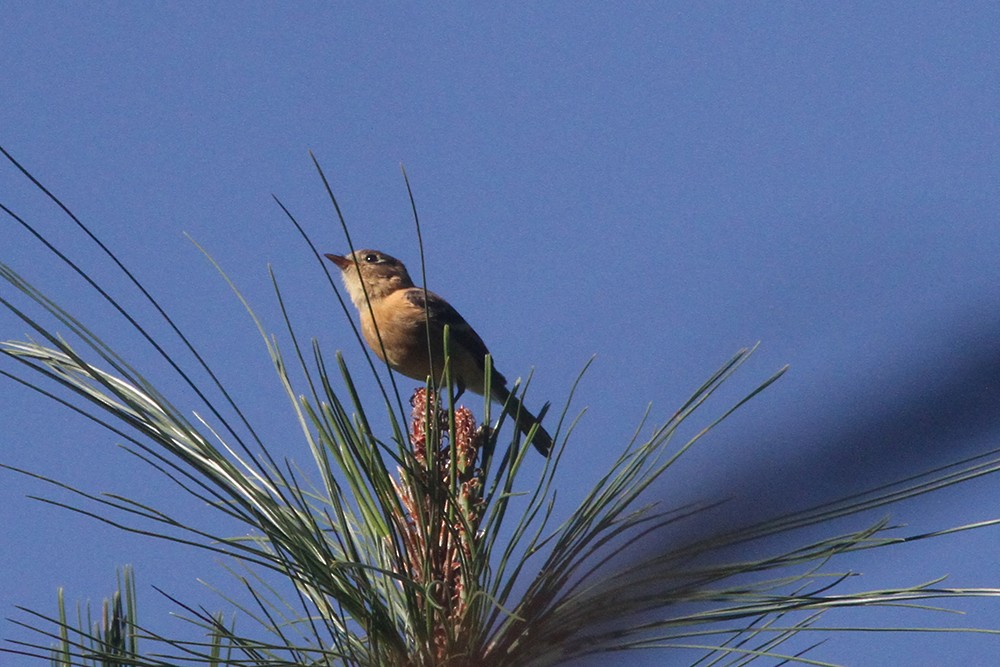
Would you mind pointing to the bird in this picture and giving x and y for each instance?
(396, 319)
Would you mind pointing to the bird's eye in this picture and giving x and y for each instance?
(371, 258)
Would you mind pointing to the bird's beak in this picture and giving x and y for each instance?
(342, 262)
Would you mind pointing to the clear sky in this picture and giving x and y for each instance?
(658, 184)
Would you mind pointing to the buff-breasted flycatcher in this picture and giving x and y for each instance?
(398, 317)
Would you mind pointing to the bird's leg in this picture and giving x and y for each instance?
(459, 390)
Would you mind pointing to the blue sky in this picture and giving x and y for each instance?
(657, 185)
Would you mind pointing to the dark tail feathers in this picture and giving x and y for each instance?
(524, 420)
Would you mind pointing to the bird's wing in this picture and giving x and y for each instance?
(441, 312)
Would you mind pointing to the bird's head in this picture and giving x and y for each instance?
(381, 274)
